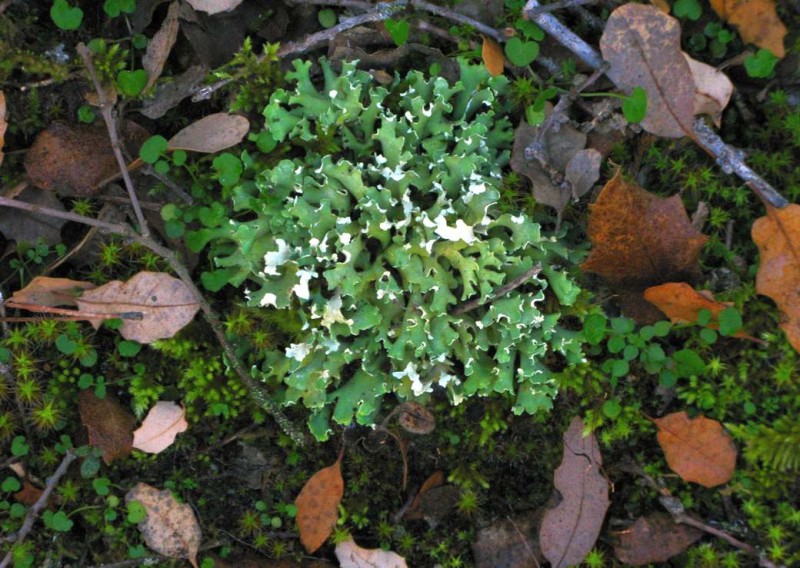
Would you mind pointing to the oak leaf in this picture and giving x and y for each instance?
(697, 449)
(318, 506)
(109, 424)
(570, 529)
(170, 528)
(654, 538)
(158, 430)
(164, 303)
(492, 55)
(777, 236)
(757, 21)
(351, 555)
(641, 240)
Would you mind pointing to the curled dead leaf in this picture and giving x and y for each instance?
(159, 428)
(46, 291)
(351, 555)
(713, 89)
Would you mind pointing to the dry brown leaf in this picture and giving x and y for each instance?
(654, 538)
(159, 428)
(318, 506)
(642, 44)
(570, 529)
(641, 240)
(24, 226)
(211, 134)
(46, 291)
(165, 303)
(170, 528)
(29, 494)
(697, 449)
(351, 555)
(713, 89)
(214, 6)
(3, 123)
(72, 160)
(169, 95)
(109, 424)
(436, 479)
(682, 303)
(493, 57)
(510, 542)
(160, 45)
(583, 171)
(777, 236)
(756, 20)
(415, 418)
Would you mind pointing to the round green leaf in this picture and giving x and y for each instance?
(65, 16)
(612, 408)
(730, 321)
(152, 149)
(131, 83)
(521, 53)
(634, 107)
(327, 18)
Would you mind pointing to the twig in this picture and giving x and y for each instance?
(460, 18)
(729, 159)
(674, 507)
(501, 291)
(560, 5)
(107, 111)
(360, 4)
(40, 504)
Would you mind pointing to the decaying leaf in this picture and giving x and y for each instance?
(29, 493)
(212, 133)
(3, 123)
(318, 506)
(561, 147)
(170, 528)
(642, 45)
(169, 94)
(109, 424)
(756, 20)
(777, 236)
(641, 240)
(570, 529)
(165, 303)
(46, 291)
(654, 538)
(24, 226)
(493, 57)
(159, 428)
(351, 555)
(713, 89)
(415, 418)
(72, 159)
(214, 6)
(510, 542)
(436, 479)
(160, 45)
(682, 304)
(697, 449)
(583, 171)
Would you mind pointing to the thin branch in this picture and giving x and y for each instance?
(117, 228)
(449, 14)
(40, 504)
(727, 157)
(501, 291)
(560, 5)
(107, 111)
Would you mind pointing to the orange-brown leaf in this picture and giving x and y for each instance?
(697, 449)
(777, 236)
(110, 425)
(654, 538)
(46, 291)
(756, 20)
(318, 506)
(682, 303)
(29, 493)
(492, 55)
(641, 240)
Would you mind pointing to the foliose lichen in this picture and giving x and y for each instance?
(378, 245)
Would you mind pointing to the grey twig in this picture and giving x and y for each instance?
(107, 111)
(501, 291)
(560, 5)
(40, 504)
(563, 35)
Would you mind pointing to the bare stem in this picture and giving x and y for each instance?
(40, 504)
(501, 291)
(109, 116)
